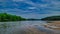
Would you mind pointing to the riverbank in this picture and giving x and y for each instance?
(24, 27)
(55, 25)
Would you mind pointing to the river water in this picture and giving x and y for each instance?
(24, 27)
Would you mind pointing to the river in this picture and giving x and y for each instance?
(24, 27)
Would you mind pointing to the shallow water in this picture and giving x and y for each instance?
(24, 27)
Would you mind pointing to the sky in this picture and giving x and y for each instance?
(31, 8)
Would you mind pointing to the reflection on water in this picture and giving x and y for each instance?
(24, 27)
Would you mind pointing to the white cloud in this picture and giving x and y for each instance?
(31, 7)
(18, 0)
(49, 2)
(32, 3)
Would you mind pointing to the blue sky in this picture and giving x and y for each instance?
(31, 8)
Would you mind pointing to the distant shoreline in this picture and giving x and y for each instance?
(51, 18)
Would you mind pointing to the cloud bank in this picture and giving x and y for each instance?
(32, 8)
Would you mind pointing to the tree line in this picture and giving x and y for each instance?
(52, 18)
(8, 17)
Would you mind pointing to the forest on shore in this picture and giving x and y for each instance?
(51, 18)
(9, 17)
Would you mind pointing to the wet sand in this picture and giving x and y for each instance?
(28, 28)
(32, 30)
(35, 29)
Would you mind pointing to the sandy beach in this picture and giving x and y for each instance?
(55, 25)
(49, 28)
(29, 30)
(33, 30)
